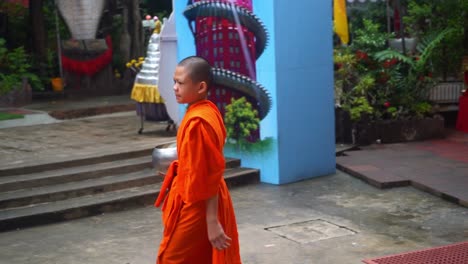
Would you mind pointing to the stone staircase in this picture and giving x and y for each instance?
(48, 193)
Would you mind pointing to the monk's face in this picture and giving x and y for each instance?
(186, 90)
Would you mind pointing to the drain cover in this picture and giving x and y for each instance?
(310, 231)
(451, 254)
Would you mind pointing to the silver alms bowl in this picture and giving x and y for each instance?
(163, 156)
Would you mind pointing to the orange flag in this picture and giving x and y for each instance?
(341, 20)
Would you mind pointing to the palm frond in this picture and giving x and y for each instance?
(400, 81)
(392, 54)
(428, 44)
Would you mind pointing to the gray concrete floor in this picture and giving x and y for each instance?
(383, 222)
(78, 138)
(40, 109)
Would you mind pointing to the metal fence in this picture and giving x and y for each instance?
(446, 92)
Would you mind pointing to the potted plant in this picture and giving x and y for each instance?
(53, 71)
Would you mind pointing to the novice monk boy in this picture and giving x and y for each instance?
(198, 216)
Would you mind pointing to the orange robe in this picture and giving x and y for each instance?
(195, 177)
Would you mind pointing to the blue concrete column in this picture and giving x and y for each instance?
(297, 70)
(304, 84)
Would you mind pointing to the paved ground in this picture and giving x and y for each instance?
(341, 218)
(437, 166)
(375, 223)
(53, 111)
(39, 144)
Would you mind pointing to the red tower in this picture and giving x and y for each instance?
(219, 41)
(231, 38)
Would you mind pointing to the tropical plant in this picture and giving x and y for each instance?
(357, 102)
(361, 85)
(385, 84)
(416, 73)
(370, 38)
(240, 120)
(424, 17)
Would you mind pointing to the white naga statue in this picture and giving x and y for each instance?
(82, 16)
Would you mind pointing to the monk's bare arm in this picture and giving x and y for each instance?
(216, 234)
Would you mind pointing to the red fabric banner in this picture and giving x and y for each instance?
(462, 119)
(91, 66)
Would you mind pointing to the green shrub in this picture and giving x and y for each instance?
(14, 66)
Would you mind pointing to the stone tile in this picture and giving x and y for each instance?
(311, 231)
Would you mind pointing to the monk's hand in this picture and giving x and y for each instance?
(160, 174)
(216, 235)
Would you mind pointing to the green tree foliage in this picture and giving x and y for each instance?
(373, 11)
(17, 23)
(370, 38)
(428, 17)
(240, 119)
(14, 66)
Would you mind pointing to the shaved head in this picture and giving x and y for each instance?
(198, 69)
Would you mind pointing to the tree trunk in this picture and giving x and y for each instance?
(38, 34)
(136, 27)
(125, 40)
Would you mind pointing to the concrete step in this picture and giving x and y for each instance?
(80, 172)
(49, 186)
(84, 171)
(57, 192)
(64, 164)
(108, 201)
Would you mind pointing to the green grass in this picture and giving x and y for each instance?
(8, 116)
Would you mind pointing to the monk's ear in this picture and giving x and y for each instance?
(203, 88)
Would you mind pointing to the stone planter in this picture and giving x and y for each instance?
(395, 131)
(17, 97)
